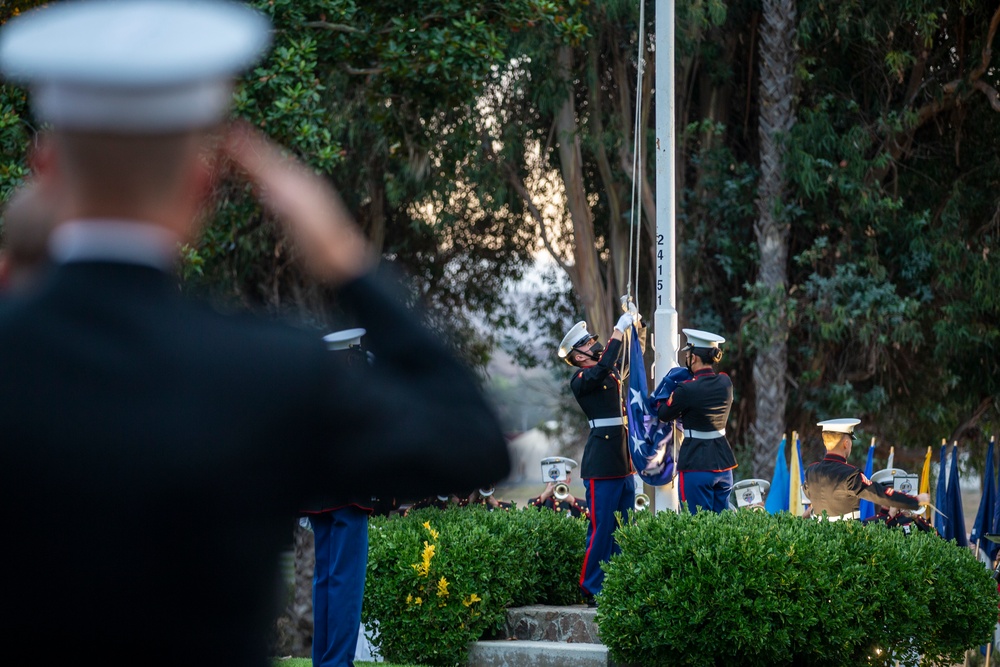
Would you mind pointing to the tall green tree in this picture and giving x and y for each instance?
(776, 119)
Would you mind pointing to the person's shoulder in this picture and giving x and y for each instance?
(235, 342)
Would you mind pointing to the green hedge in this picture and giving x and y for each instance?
(487, 561)
(749, 588)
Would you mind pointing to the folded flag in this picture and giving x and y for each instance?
(651, 441)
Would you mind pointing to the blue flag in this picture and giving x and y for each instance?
(955, 523)
(651, 441)
(995, 526)
(867, 507)
(987, 503)
(941, 495)
(777, 494)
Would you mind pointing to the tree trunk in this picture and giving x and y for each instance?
(777, 116)
(589, 282)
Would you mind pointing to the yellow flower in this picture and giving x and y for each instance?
(424, 567)
(409, 600)
(442, 588)
(418, 600)
(434, 533)
(469, 601)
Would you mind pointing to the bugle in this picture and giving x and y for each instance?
(641, 501)
(561, 491)
(487, 492)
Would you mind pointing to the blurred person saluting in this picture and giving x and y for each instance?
(158, 450)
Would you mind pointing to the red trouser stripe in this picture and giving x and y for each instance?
(680, 476)
(593, 532)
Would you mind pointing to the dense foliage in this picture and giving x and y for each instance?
(782, 590)
(381, 97)
(438, 580)
(464, 135)
(892, 169)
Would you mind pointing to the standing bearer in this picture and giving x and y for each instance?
(706, 461)
(607, 468)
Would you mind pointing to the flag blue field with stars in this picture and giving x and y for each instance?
(650, 441)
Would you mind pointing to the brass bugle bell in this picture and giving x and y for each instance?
(641, 501)
(487, 492)
(561, 491)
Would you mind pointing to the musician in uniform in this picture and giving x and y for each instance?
(836, 487)
(607, 469)
(441, 502)
(567, 504)
(485, 497)
(892, 517)
(706, 460)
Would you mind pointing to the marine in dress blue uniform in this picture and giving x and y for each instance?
(909, 521)
(187, 440)
(441, 502)
(566, 505)
(340, 544)
(836, 487)
(606, 468)
(706, 461)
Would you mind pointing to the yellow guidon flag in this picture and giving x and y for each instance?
(925, 473)
(795, 479)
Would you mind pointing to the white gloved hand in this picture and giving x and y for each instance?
(624, 322)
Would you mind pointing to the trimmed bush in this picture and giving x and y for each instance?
(755, 589)
(487, 561)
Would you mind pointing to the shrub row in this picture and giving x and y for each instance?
(749, 588)
(438, 580)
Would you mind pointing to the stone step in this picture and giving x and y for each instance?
(573, 624)
(527, 653)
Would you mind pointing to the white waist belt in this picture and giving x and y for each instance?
(607, 421)
(704, 435)
(843, 517)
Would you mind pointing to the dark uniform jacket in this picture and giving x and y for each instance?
(835, 486)
(598, 390)
(484, 502)
(431, 501)
(570, 508)
(703, 404)
(156, 454)
(908, 524)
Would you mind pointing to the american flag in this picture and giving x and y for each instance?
(651, 441)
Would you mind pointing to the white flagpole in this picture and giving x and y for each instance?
(666, 338)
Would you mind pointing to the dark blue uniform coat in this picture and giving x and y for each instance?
(837, 487)
(157, 452)
(607, 468)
